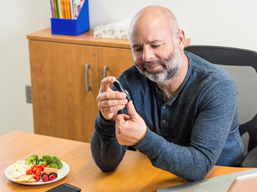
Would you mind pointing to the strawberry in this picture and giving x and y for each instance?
(37, 178)
(45, 178)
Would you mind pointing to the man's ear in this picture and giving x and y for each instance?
(181, 39)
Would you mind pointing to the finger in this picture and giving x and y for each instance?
(111, 112)
(119, 121)
(112, 98)
(112, 109)
(121, 118)
(131, 110)
(106, 82)
(111, 103)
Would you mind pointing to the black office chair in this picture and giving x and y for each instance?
(242, 66)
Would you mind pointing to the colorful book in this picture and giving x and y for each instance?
(56, 9)
(76, 4)
(71, 9)
(66, 9)
(52, 8)
(62, 9)
(59, 9)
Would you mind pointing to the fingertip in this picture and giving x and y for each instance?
(112, 78)
(130, 106)
(130, 103)
(105, 83)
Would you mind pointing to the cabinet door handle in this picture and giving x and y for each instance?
(87, 77)
(105, 71)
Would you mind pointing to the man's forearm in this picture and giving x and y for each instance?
(185, 162)
(107, 154)
(106, 151)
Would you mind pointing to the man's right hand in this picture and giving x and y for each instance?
(109, 101)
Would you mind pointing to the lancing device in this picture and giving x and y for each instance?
(119, 87)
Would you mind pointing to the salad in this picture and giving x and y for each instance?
(35, 169)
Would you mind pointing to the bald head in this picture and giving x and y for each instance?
(153, 16)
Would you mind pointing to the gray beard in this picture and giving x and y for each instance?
(171, 66)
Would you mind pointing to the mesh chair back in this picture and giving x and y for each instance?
(241, 64)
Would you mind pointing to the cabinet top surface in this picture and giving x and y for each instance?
(86, 38)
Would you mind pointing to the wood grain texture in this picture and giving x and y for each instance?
(117, 61)
(61, 105)
(135, 173)
(84, 39)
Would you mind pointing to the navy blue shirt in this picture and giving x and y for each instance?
(187, 135)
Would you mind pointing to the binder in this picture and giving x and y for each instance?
(72, 26)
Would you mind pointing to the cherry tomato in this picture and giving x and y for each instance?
(38, 172)
(34, 166)
(29, 172)
(34, 169)
(42, 166)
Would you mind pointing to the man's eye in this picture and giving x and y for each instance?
(137, 49)
(155, 46)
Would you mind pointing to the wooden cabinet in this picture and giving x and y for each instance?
(116, 61)
(62, 106)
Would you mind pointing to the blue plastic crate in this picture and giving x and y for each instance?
(72, 26)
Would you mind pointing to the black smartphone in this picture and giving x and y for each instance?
(65, 187)
(119, 87)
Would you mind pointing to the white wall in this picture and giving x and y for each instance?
(220, 22)
(18, 18)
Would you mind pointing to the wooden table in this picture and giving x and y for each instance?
(135, 172)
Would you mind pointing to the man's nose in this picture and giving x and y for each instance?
(148, 54)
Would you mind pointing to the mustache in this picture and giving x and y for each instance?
(159, 62)
(152, 63)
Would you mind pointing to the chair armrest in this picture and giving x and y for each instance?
(250, 160)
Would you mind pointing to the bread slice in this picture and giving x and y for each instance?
(26, 179)
(48, 170)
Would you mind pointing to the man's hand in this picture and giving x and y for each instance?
(109, 101)
(130, 129)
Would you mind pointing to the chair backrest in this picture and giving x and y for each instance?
(242, 66)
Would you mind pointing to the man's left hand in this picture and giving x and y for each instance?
(130, 129)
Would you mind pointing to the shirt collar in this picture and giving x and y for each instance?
(161, 97)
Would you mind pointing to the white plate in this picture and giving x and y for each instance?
(61, 174)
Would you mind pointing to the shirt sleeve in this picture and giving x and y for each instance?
(217, 107)
(106, 151)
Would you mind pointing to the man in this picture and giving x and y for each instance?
(183, 115)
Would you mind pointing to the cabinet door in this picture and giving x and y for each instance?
(61, 105)
(116, 60)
